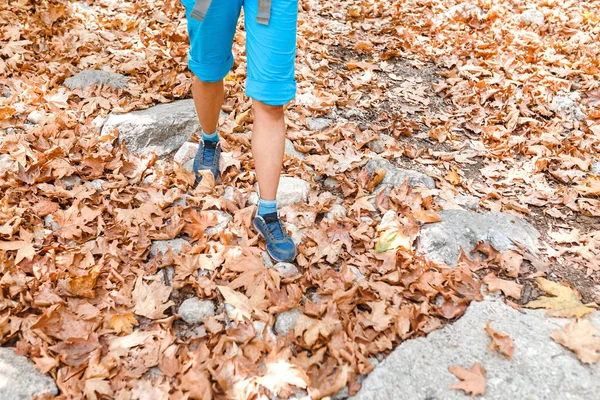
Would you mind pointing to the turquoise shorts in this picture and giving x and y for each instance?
(270, 49)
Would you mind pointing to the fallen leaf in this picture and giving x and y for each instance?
(151, 300)
(564, 304)
(582, 337)
(123, 323)
(509, 288)
(471, 382)
(500, 342)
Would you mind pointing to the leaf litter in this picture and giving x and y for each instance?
(82, 298)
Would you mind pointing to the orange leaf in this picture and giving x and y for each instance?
(500, 342)
(509, 288)
(472, 382)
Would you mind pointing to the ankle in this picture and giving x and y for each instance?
(211, 137)
(267, 207)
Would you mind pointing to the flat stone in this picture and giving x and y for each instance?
(182, 201)
(566, 106)
(441, 241)
(466, 10)
(97, 184)
(71, 181)
(291, 150)
(378, 146)
(222, 220)
(186, 152)
(532, 17)
(595, 169)
(35, 117)
(287, 270)
(396, 176)
(193, 310)
(84, 79)
(331, 183)
(163, 128)
(337, 211)
(267, 259)
(286, 321)
(291, 191)
(540, 369)
(50, 223)
(19, 380)
(318, 124)
(161, 246)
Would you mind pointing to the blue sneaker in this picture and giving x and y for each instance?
(207, 158)
(280, 246)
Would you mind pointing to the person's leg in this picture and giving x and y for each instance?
(268, 147)
(210, 58)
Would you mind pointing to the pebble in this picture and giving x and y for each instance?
(286, 321)
(193, 310)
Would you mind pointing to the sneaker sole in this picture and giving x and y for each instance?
(269, 253)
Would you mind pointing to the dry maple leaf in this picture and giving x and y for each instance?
(123, 323)
(472, 381)
(564, 304)
(151, 300)
(509, 288)
(394, 235)
(590, 186)
(582, 337)
(240, 302)
(500, 342)
(84, 285)
(311, 328)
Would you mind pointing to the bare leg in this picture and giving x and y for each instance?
(268, 146)
(208, 98)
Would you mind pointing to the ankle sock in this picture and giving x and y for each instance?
(211, 137)
(267, 207)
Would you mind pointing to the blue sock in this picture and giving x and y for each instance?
(211, 137)
(267, 207)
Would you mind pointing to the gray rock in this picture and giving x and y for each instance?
(193, 310)
(19, 378)
(162, 128)
(540, 368)
(267, 259)
(337, 211)
(97, 184)
(182, 201)
(161, 246)
(6, 163)
(222, 221)
(441, 241)
(189, 165)
(36, 116)
(318, 124)
(396, 176)
(291, 191)
(287, 270)
(50, 223)
(186, 152)
(297, 234)
(253, 198)
(566, 106)
(470, 202)
(286, 321)
(466, 10)
(229, 193)
(359, 275)
(532, 17)
(291, 150)
(83, 79)
(71, 181)
(331, 183)
(595, 169)
(378, 146)
(353, 112)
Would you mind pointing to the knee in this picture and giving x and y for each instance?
(274, 112)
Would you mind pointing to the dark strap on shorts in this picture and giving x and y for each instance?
(264, 10)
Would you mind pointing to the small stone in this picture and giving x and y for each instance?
(21, 380)
(149, 179)
(222, 221)
(291, 191)
(193, 310)
(378, 146)
(353, 112)
(189, 165)
(297, 234)
(595, 168)
(470, 202)
(36, 116)
(331, 183)
(71, 181)
(267, 259)
(162, 129)
(253, 199)
(286, 321)
(50, 223)
(318, 124)
(367, 220)
(97, 184)
(396, 176)
(87, 78)
(532, 17)
(229, 193)
(186, 152)
(388, 217)
(357, 273)
(566, 106)
(161, 246)
(337, 211)
(182, 201)
(291, 150)
(466, 10)
(6, 163)
(287, 270)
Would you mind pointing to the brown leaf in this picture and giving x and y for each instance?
(509, 288)
(564, 303)
(84, 285)
(472, 381)
(582, 337)
(123, 323)
(500, 342)
(151, 300)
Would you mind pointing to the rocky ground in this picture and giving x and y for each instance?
(383, 157)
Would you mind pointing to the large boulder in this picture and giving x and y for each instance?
(19, 380)
(539, 369)
(396, 176)
(441, 241)
(162, 128)
(84, 79)
(291, 191)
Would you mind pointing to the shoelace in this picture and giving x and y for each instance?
(274, 226)
(210, 148)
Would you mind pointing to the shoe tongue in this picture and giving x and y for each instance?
(270, 217)
(210, 144)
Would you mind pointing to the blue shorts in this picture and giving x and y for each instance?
(270, 49)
